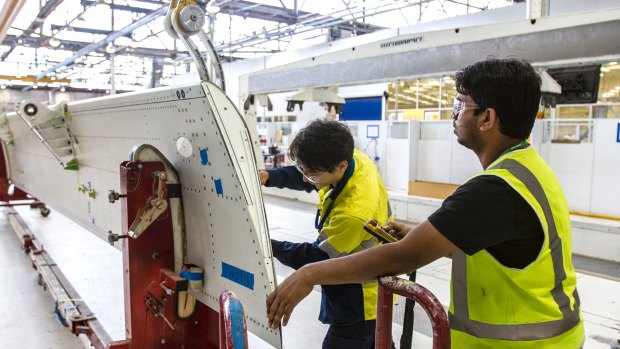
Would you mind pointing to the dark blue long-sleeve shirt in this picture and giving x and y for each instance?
(288, 177)
(294, 255)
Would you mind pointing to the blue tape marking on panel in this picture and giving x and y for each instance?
(237, 275)
(218, 187)
(236, 322)
(188, 275)
(618, 134)
(93, 221)
(204, 157)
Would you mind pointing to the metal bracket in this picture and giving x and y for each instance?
(156, 205)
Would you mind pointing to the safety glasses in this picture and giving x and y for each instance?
(460, 106)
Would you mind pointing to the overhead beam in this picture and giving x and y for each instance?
(56, 27)
(45, 11)
(87, 3)
(110, 38)
(11, 40)
(34, 79)
(248, 9)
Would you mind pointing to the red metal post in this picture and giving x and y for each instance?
(233, 328)
(390, 285)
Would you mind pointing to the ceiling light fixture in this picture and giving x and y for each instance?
(54, 42)
(212, 7)
(110, 48)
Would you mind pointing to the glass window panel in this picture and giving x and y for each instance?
(429, 93)
(402, 96)
(573, 112)
(561, 131)
(609, 84)
(353, 129)
(399, 130)
(613, 112)
(448, 93)
(435, 131)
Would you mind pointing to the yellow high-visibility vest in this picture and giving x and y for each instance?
(494, 306)
(342, 234)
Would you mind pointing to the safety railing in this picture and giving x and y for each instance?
(390, 285)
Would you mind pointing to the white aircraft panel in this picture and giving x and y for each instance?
(224, 213)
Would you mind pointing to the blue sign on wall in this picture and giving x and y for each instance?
(618, 134)
(366, 108)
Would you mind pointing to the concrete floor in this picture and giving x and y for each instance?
(94, 269)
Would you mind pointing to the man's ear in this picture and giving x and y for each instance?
(488, 120)
(343, 165)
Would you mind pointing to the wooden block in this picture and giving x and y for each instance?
(431, 189)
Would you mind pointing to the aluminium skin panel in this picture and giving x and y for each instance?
(226, 227)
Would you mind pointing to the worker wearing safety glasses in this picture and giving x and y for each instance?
(350, 191)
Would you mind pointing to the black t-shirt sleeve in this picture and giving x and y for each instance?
(486, 213)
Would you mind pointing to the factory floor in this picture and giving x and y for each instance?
(94, 268)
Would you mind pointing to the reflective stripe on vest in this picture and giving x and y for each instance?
(332, 252)
(533, 331)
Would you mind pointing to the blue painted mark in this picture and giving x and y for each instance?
(237, 275)
(93, 221)
(618, 134)
(204, 157)
(236, 322)
(188, 275)
(218, 187)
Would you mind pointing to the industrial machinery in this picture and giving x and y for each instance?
(171, 173)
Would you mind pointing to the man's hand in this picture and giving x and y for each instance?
(282, 301)
(263, 176)
(396, 229)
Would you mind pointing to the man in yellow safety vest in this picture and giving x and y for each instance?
(507, 229)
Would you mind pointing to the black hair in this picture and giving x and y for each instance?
(321, 145)
(510, 86)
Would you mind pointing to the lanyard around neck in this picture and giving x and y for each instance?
(320, 221)
(521, 145)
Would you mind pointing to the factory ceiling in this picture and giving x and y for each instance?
(78, 43)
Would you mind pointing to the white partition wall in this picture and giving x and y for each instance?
(397, 154)
(584, 154)
(440, 157)
(606, 171)
(464, 162)
(434, 152)
(572, 164)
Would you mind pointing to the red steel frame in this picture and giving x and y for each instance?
(151, 287)
(390, 285)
